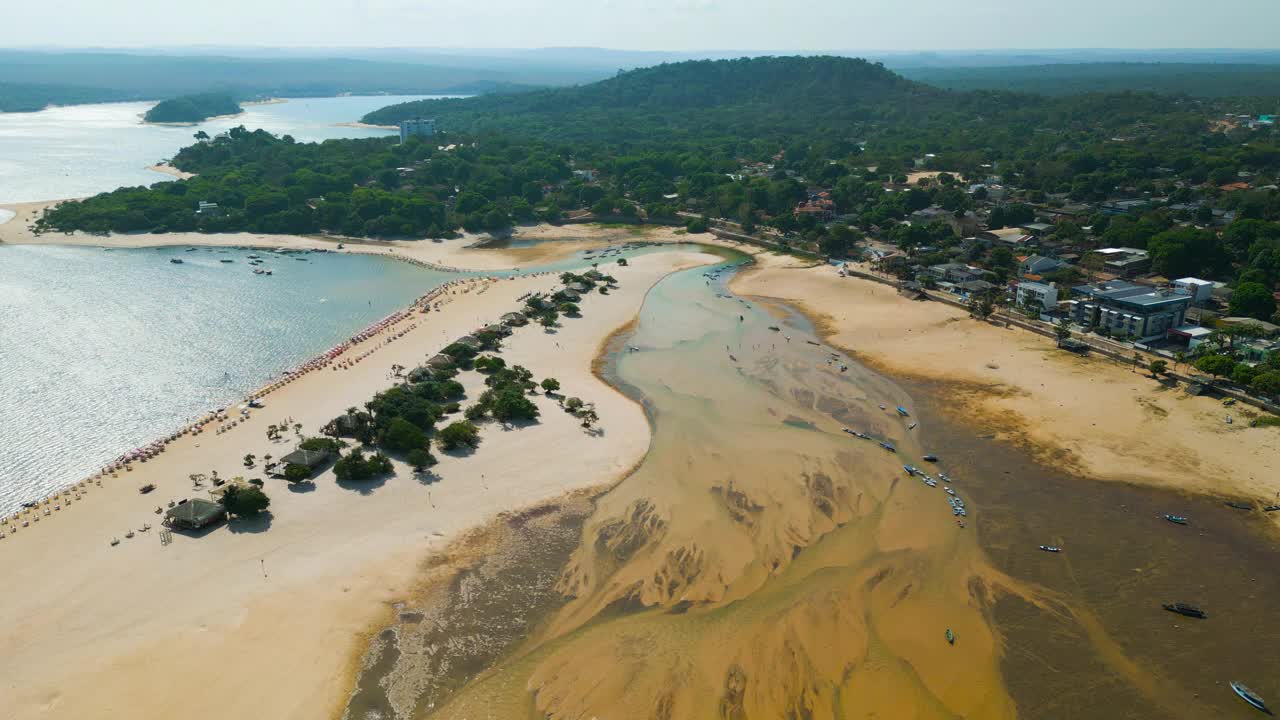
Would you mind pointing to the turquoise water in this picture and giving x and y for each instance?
(104, 351)
(82, 150)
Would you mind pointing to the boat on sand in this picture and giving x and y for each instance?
(1250, 696)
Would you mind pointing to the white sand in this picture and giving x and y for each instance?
(266, 623)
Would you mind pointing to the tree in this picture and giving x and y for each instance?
(459, 434)
(1266, 383)
(1253, 300)
(420, 459)
(550, 385)
(981, 307)
(573, 404)
(1243, 374)
(475, 413)
(244, 502)
(403, 436)
(249, 460)
(1219, 365)
(1063, 331)
(696, 225)
(1157, 368)
(509, 403)
(295, 473)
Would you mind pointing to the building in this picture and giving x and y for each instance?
(1039, 265)
(312, 460)
(955, 272)
(975, 288)
(1038, 229)
(1128, 310)
(207, 208)
(1008, 236)
(194, 514)
(514, 319)
(1124, 207)
(1042, 295)
(1199, 290)
(1124, 262)
(423, 127)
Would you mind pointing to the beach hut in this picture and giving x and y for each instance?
(579, 287)
(470, 341)
(440, 362)
(312, 460)
(496, 329)
(514, 319)
(194, 514)
(568, 295)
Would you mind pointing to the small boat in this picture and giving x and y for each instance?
(903, 411)
(1184, 609)
(129, 534)
(888, 447)
(944, 477)
(882, 406)
(910, 469)
(147, 488)
(951, 637)
(191, 249)
(950, 492)
(1239, 505)
(226, 260)
(176, 261)
(1050, 548)
(862, 435)
(29, 504)
(1271, 508)
(115, 541)
(912, 426)
(775, 328)
(931, 458)
(1249, 696)
(1176, 519)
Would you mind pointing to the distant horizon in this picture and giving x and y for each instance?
(874, 26)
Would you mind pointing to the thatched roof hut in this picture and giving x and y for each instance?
(194, 514)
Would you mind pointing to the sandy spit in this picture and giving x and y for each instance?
(263, 620)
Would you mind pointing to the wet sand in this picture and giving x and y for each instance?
(706, 585)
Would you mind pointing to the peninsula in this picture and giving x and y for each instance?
(192, 109)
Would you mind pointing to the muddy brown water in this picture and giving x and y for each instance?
(1120, 560)
(761, 563)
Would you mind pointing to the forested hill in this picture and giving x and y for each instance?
(754, 96)
(1194, 79)
(193, 108)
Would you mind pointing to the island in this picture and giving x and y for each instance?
(193, 108)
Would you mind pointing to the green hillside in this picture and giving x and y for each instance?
(747, 97)
(193, 108)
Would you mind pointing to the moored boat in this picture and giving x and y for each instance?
(1176, 519)
(1249, 696)
(888, 447)
(175, 261)
(1184, 609)
(951, 637)
(1239, 505)
(1050, 548)
(903, 411)
(931, 458)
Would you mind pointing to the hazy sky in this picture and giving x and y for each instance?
(650, 24)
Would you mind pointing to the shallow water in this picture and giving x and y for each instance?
(104, 351)
(755, 541)
(761, 563)
(81, 150)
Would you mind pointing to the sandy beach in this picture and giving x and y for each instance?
(167, 169)
(1096, 416)
(265, 619)
(555, 242)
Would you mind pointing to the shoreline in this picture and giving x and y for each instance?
(373, 545)
(165, 168)
(1097, 418)
(366, 126)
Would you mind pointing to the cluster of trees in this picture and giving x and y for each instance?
(193, 108)
(505, 398)
(1263, 378)
(358, 467)
(244, 502)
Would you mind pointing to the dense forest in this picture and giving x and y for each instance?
(748, 140)
(1212, 80)
(27, 97)
(193, 108)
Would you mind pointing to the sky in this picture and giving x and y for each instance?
(648, 24)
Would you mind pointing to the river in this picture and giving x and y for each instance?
(763, 563)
